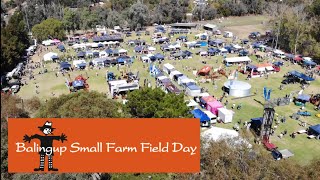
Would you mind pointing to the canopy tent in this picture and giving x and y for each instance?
(204, 71)
(122, 51)
(304, 97)
(65, 65)
(182, 79)
(213, 106)
(225, 115)
(61, 47)
(81, 54)
(265, 66)
(216, 133)
(256, 123)
(251, 66)
(309, 63)
(197, 113)
(174, 73)
(238, 59)
(151, 48)
(138, 48)
(77, 62)
(168, 68)
(193, 90)
(300, 75)
(159, 56)
(187, 53)
(50, 56)
(206, 99)
(98, 61)
(315, 129)
(109, 51)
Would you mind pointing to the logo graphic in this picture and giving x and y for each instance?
(46, 146)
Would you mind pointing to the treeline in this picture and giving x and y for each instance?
(81, 14)
(14, 41)
(297, 27)
(218, 160)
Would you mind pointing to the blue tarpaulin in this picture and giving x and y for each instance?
(300, 75)
(304, 97)
(315, 129)
(197, 113)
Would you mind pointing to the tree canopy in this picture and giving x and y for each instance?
(154, 103)
(14, 41)
(49, 28)
(80, 105)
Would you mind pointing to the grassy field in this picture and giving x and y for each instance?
(303, 148)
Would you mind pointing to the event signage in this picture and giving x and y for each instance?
(103, 145)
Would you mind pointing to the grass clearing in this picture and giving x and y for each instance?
(303, 148)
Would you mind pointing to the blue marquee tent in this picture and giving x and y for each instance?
(300, 75)
(197, 113)
(315, 129)
(81, 54)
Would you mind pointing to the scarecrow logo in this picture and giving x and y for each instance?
(46, 147)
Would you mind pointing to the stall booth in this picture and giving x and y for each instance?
(204, 119)
(214, 106)
(182, 79)
(225, 115)
(205, 100)
(175, 74)
(168, 68)
(193, 90)
(213, 117)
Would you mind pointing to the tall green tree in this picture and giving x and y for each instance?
(49, 28)
(154, 103)
(80, 105)
(14, 41)
(138, 15)
(71, 20)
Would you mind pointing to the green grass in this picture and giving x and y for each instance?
(303, 148)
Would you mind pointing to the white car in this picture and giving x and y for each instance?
(15, 88)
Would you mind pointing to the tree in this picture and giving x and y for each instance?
(71, 20)
(150, 103)
(10, 108)
(49, 28)
(138, 15)
(80, 105)
(88, 19)
(114, 19)
(14, 41)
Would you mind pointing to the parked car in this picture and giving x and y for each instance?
(217, 32)
(243, 52)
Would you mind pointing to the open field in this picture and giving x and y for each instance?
(303, 148)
